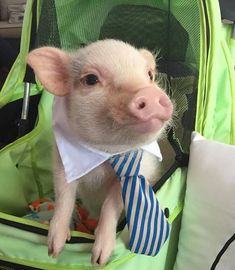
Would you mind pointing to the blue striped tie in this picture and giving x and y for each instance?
(147, 224)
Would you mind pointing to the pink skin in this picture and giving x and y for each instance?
(151, 108)
(123, 110)
(103, 75)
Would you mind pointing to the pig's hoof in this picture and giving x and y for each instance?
(103, 248)
(56, 241)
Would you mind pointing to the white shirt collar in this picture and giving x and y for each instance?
(78, 159)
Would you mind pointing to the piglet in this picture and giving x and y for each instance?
(113, 104)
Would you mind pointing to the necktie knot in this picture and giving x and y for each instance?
(127, 164)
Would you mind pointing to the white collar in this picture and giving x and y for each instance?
(77, 158)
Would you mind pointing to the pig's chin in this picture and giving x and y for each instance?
(147, 127)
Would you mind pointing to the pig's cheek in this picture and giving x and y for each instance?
(81, 89)
(117, 116)
(100, 116)
(118, 111)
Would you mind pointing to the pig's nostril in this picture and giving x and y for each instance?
(141, 105)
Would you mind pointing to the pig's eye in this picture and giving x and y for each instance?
(150, 73)
(90, 79)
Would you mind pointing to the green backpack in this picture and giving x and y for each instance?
(196, 57)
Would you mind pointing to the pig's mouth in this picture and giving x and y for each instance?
(152, 125)
(142, 126)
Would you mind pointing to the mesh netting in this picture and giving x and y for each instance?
(48, 33)
(170, 27)
(144, 26)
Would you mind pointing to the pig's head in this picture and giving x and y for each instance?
(112, 100)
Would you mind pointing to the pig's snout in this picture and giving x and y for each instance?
(150, 103)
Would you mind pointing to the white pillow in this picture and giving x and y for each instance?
(207, 235)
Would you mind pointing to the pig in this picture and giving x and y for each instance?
(114, 105)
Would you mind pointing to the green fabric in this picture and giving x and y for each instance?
(91, 16)
(13, 86)
(216, 96)
(31, 249)
(25, 165)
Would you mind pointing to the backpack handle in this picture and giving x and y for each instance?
(227, 8)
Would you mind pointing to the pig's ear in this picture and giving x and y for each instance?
(149, 57)
(52, 67)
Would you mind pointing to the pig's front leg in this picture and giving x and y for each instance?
(59, 230)
(105, 234)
